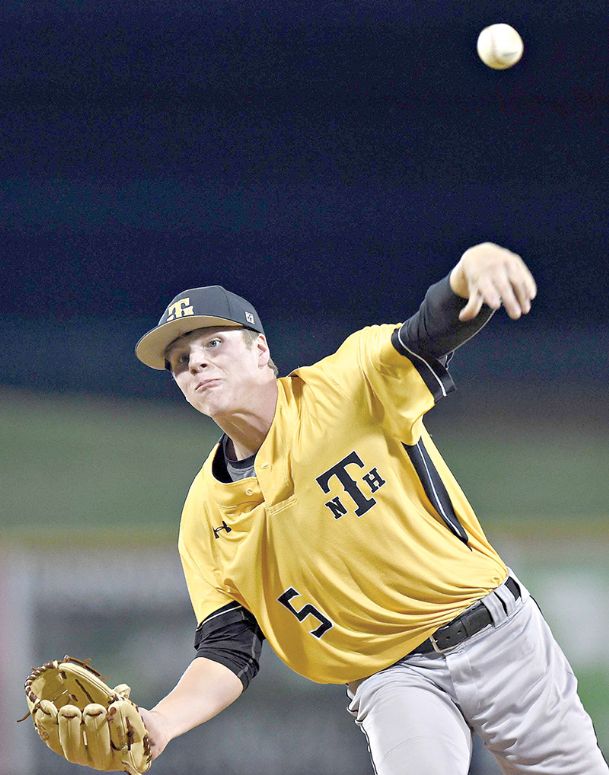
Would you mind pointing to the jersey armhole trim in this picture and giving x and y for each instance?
(221, 611)
(435, 376)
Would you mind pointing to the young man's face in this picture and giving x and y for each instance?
(217, 371)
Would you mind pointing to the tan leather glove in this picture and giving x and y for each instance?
(82, 719)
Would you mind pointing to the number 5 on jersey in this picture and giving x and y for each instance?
(307, 610)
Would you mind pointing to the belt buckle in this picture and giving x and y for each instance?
(437, 648)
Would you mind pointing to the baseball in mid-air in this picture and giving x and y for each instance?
(500, 46)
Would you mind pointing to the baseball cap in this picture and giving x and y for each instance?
(195, 308)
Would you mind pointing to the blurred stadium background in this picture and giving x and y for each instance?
(328, 161)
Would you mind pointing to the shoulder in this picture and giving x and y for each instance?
(359, 350)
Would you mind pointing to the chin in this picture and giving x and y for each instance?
(212, 408)
(202, 406)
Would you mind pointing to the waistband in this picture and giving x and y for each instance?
(466, 624)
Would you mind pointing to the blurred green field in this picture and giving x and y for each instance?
(594, 691)
(82, 462)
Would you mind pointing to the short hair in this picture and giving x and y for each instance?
(250, 337)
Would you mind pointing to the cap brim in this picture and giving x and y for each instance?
(151, 348)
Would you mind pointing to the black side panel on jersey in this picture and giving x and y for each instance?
(434, 488)
(232, 637)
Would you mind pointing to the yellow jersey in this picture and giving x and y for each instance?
(353, 543)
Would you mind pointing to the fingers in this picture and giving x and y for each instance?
(495, 277)
(95, 737)
(71, 735)
(129, 736)
(45, 721)
(505, 292)
(472, 308)
(98, 736)
(124, 690)
(522, 282)
(126, 725)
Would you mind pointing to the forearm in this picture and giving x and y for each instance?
(486, 277)
(436, 329)
(205, 689)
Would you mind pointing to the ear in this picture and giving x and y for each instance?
(262, 350)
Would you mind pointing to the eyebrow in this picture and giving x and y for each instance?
(184, 340)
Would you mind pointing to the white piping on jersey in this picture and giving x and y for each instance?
(477, 331)
(420, 357)
(221, 613)
(438, 501)
(412, 352)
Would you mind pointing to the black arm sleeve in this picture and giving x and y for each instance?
(435, 330)
(232, 637)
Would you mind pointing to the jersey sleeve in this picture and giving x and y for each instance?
(402, 385)
(435, 329)
(206, 593)
(232, 637)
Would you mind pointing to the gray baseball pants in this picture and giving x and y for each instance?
(509, 682)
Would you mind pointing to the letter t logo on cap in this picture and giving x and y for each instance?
(179, 309)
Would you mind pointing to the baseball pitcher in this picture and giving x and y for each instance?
(326, 522)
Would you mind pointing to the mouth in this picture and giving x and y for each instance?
(202, 386)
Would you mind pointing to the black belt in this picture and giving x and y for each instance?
(464, 626)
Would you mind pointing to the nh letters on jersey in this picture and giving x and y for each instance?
(351, 486)
(349, 543)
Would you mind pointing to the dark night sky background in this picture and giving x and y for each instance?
(327, 160)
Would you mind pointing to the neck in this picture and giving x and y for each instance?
(248, 428)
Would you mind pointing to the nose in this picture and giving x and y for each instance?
(197, 361)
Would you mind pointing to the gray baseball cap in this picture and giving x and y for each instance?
(196, 308)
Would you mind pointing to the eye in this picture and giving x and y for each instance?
(181, 359)
(214, 343)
